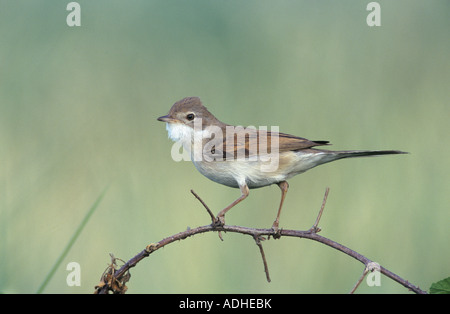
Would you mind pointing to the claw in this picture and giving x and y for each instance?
(276, 230)
(220, 221)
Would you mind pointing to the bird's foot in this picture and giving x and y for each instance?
(219, 221)
(276, 231)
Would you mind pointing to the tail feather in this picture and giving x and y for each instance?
(313, 157)
(362, 153)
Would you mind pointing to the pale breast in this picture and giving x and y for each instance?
(236, 172)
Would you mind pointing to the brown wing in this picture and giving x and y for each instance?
(289, 142)
(251, 142)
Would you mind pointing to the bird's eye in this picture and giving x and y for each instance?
(190, 117)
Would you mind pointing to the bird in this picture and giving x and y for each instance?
(247, 158)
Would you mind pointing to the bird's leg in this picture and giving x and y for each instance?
(220, 219)
(284, 186)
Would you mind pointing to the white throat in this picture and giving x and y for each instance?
(187, 136)
(179, 132)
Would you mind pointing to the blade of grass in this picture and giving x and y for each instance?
(71, 242)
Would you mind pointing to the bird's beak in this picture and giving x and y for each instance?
(167, 119)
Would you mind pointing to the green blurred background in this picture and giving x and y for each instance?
(78, 109)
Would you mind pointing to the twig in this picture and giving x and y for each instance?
(366, 270)
(369, 267)
(261, 250)
(310, 234)
(213, 218)
(315, 227)
(260, 232)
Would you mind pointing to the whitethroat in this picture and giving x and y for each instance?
(246, 158)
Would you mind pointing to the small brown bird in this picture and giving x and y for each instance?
(246, 158)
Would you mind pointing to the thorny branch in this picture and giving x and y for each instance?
(113, 280)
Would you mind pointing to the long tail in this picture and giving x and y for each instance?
(335, 155)
(362, 153)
